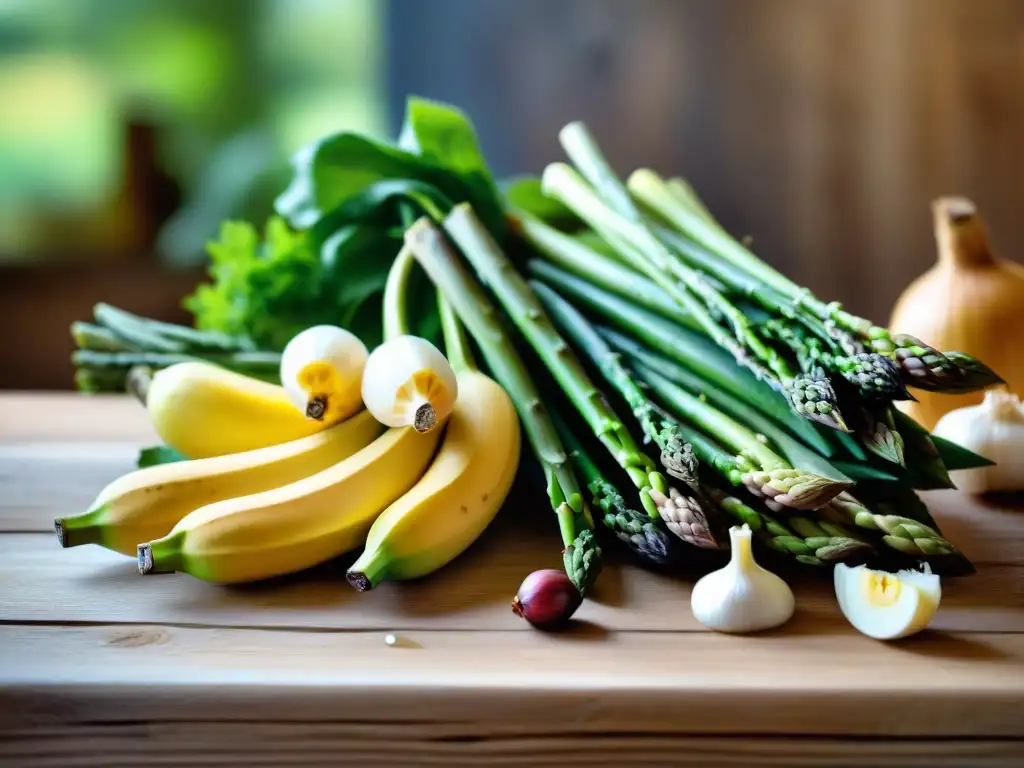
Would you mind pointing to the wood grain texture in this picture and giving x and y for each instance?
(822, 129)
(563, 683)
(43, 583)
(101, 666)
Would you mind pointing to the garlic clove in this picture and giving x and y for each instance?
(407, 381)
(994, 429)
(887, 606)
(322, 370)
(742, 596)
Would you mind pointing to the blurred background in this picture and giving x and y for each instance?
(130, 128)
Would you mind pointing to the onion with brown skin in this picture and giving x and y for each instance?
(970, 301)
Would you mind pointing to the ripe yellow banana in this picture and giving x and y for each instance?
(203, 410)
(457, 498)
(296, 526)
(148, 503)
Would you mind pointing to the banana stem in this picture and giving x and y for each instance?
(138, 381)
(77, 530)
(396, 319)
(162, 555)
(456, 343)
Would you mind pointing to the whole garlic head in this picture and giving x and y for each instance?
(995, 430)
(742, 596)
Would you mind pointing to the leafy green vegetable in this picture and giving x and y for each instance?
(158, 454)
(267, 289)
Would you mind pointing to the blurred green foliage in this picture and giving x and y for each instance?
(232, 87)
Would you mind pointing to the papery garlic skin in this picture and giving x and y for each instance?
(742, 597)
(407, 381)
(322, 372)
(995, 430)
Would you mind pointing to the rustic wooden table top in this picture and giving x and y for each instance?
(99, 666)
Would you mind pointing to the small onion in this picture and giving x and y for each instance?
(407, 382)
(547, 599)
(322, 370)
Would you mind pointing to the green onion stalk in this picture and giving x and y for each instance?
(440, 260)
(688, 518)
(527, 313)
(120, 346)
(921, 365)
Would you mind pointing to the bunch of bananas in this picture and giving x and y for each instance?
(284, 477)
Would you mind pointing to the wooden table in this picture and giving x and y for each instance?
(99, 666)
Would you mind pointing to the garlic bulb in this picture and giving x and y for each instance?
(994, 429)
(408, 382)
(322, 369)
(742, 596)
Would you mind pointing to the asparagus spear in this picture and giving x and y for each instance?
(692, 350)
(582, 556)
(647, 538)
(812, 543)
(687, 519)
(921, 365)
(756, 466)
(620, 222)
(528, 314)
(903, 534)
(571, 255)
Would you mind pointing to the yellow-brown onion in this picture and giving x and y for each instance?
(971, 301)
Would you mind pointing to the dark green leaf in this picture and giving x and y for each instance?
(333, 169)
(957, 457)
(158, 454)
(860, 470)
(378, 204)
(443, 134)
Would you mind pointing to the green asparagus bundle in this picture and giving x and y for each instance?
(529, 316)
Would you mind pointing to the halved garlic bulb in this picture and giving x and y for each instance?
(885, 605)
(408, 382)
(322, 371)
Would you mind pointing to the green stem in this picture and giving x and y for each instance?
(583, 336)
(86, 528)
(734, 406)
(570, 254)
(727, 430)
(135, 330)
(626, 227)
(441, 262)
(687, 347)
(456, 344)
(98, 339)
(252, 363)
(396, 319)
(526, 311)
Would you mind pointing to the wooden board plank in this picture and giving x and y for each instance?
(517, 683)
(42, 583)
(41, 481)
(217, 744)
(46, 417)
